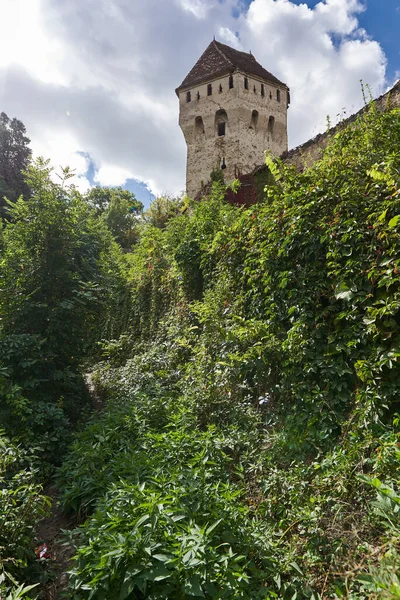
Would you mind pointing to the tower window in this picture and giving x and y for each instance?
(223, 163)
(209, 89)
(254, 90)
(278, 95)
(188, 96)
(199, 126)
(254, 119)
(198, 96)
(262, 90)
(270, 95)
(220, 88)
(221, 120)
(271, 125)
(246, 83)
(230, 82)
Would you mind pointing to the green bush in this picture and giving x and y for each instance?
(59, 277)
(22, 505)
(253, 398)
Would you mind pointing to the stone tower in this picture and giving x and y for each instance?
(231, 110)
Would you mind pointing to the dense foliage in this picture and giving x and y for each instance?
(14, 159)
(248, 361)
(59, 279)
(120, 210)
(250, 443)
(22, 505)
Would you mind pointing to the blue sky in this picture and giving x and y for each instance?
(381, 20)
(140, 189)
(94, 80)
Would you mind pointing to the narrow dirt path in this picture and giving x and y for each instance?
(50, 529)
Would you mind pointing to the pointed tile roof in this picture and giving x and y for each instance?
(219, 59)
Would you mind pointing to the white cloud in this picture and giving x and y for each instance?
(112, 175)
(320, 53)
(227, 36)
(198, 8)
(98, 76)
(23, 40)
(65, 154)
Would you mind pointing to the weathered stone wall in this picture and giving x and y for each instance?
(305, 155)
(247, 134)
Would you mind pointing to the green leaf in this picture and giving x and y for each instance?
(393, 222)
(296, 567)
(193, 587)
(157, 573)
(343, 292)
(213, 526)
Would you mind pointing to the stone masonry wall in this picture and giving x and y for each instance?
(305, 155)
(247, 134)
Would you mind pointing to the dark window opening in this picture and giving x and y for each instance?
(198, 96)
(209, 89)
(270, 95)
(254, 90)
(221, 120)
(254, 119)
(188, 96)
(278, 95)
(223, 163)
(262, 90)
(230, 82)
(220, 88)
(246, 83)
(271, 125)
(199, 126)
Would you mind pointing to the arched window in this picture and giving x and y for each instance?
(230, 82)
(209, 89)
(221, 129)
(246, 83)
(188, 96)
(278, 95)
(271, 126)
(221, 121)
(198, 126)
(254, 120)
(262, 90)
(220, 88)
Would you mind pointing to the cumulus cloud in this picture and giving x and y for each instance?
(96, 78)
(320, 53)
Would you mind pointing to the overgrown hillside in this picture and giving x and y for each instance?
(249, 446)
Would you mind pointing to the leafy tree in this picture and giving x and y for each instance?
(120, 210)
(163, 209)
(14, 158)
(58, 272)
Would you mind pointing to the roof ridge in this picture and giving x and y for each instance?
(248, 54)
(221, 52)
(219, 59)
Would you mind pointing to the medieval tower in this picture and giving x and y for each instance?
(231, 110)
